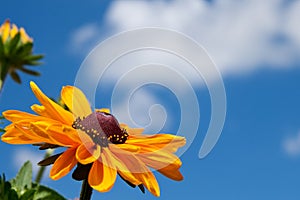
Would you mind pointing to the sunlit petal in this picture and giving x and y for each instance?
(54, 110)
(63, 165)
(103, 173)
(76, 101)
(88, 153)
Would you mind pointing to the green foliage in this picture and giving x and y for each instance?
(22, 188)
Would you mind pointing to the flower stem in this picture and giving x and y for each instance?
(86, 190)
(41, 171)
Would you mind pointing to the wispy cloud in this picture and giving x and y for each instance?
(21, 155)
(291, 145)
(84, 38)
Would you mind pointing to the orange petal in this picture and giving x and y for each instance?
(26, 130)
(132, 131)
(15, 136)
(138, 169)
(166, 142)
(63, 165)
(76, 101)
(53, 109)
(150, 182)
(88, 153)
(123, 170)
(40, 110)
(103, 173)
(62, 136)
(16, 115)
(171, 172)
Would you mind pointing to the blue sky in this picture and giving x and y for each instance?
(255, 46)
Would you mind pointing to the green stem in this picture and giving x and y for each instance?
(86, 191)
(41, 171)
(3, 72)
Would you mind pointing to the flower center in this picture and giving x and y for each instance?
(102, 128)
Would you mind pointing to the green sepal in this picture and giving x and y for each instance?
(14, 43)
(15, 77)
(1, 49)
(24, 50)
(31, 72)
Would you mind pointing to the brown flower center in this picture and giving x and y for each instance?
(102, 128)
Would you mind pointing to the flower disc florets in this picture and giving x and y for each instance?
(102, 127)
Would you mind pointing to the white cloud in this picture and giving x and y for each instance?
(239, 35)
(291, 145)
(21, 155)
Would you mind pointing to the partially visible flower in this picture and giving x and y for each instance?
(15, 52)
(8, 32)
(95, 142)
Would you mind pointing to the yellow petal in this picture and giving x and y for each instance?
(139, 170)
(150, 182)
(15, 115)
(106, 110)
(15, 136)
(88, 153)
(76, 101)
(24, 37)
(128, 147)
(13, 31)
(63, 165)
(54, 110)
(123, 170)
(166, 142)
(159, 159)
(5, 30)
(40, 110)
(103, 173)
(27, 131)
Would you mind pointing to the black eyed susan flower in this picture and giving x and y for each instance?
(16, 52)
(95, 143)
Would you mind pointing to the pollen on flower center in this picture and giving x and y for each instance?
(102, 127)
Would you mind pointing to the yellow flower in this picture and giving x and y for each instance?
(95, 142)
(8, 32)
(15, 52)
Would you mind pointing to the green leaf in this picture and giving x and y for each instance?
(15, 77)
(45, 193)
(6, 192)
(23, 180)
(28, 195)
